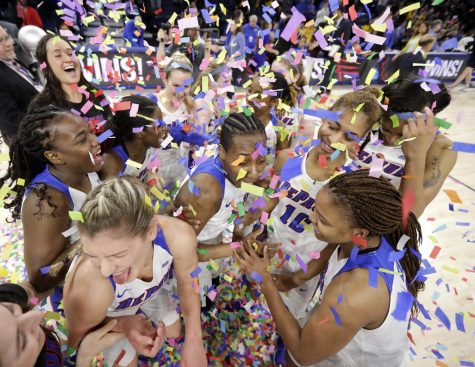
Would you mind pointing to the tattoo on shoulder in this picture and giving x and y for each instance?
(435, 173)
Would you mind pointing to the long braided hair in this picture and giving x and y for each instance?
(373, 203)
(238, 124)
(35, 136)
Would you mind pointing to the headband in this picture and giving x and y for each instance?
(178, 65)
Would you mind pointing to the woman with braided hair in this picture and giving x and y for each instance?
(213, 189)
(53, 164)
(368, 280)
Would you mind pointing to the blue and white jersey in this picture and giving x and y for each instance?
(387, 344)
(129, 170)
(130, 296)
(75, 197)
(394, 160)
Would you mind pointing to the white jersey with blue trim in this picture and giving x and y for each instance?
(386, 345)
(394, 160)
(130, 296)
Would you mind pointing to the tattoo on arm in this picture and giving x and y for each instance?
(432, 181)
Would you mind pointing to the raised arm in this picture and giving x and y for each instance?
(182, 243)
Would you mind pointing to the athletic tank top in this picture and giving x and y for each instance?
(130, 296)
(387, 344)
(394, 160)
(128, 170)
(170, 117)
(290, 220)
(75, 197)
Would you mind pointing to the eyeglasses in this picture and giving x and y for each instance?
(5, 39)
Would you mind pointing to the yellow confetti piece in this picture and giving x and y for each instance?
(155, 192)
(359, 107)
(370, 76)
(74, 215)
(228, 278)
(409, 8)
(365, 2)
(223, 8)
(4, 273)
(433, 239)
(214, 265)
(383, 270)
(173, 18)
(247, 84)
(379, 27)
(353, 118)
(252, 189)
(393, 77)
(204, 83)
(339, 146)
(20, 181)
(148, 201)
(451, 270)
(241, 174)
(4, 156)
(49, 315)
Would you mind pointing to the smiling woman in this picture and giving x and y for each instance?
(66, 86)
(55, 157)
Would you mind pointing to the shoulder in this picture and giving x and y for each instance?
(282, 158)
(47, 199)
(176, 232)
(86, 287)
(113, 164)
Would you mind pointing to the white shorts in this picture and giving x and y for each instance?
(161, 307)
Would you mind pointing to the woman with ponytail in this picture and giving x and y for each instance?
(53, 163)
(368, 280)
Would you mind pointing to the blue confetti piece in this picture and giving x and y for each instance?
(463, 147)
(451, 207)
(192, 188)
(335, 155)
(459, 322)
(256, 276)
(419, 323)
(336, 316)
(463, 210)
(323, 114)
(333, 5)
(195, 272)
(437, 354)
(442, 317)
(352, 136)
(291, 169)
(423, 311)
(104, 136)
(440, 228)
(403, 306)
(180, 89)
(467, 363)
(396, 255)
(45, 270)
(340, 299)
(373, 277)
(462, 224)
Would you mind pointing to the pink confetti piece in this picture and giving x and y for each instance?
(133, 110)
(235, 245)
(376, 168)
(43, 65)
(264, 217)
(294, 22)
(190, 22)
(86, 107)
(274, 181)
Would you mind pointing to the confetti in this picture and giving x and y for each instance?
(77, 216)
(409, 8)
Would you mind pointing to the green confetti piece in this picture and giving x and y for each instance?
(202, 251)
(241, 210)
(442, 123)
(232, 217)
(76, 216)
(395, 121)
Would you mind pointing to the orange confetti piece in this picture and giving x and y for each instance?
(238, 161)
(453, 196)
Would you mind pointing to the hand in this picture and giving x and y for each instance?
(249, 261)
(96, 342)
(424, 133)
(208, 46)
(190, 217)
(193, 354)
(255, 239)
(153, 178)
(161, 35)
(142, 335)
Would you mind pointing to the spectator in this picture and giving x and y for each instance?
(19, 86)
(28, 13)
(251, 31)
(49, 16)
(466, 74)
(420, 29)
(134, 32)
(435, 30)
(236, 49)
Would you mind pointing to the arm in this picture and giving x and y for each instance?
(322, 336)
(205, 204)
(43, 222)
(183, 248)
(287, 282)
(113, 164)
(415, 152)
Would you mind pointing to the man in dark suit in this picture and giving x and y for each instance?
(411, 62)
(18, 86)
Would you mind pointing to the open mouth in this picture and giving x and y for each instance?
(122, 276)
(327, 149)
(96, 158)
(70, 70)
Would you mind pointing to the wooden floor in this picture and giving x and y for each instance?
(451, 289)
